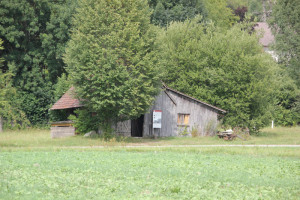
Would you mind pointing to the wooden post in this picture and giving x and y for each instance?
(1, 124)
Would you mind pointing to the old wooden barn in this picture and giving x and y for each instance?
(172, 114)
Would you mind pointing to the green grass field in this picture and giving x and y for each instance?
(146, 174)
(41, 138)
(34, 166)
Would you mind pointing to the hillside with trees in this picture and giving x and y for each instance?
(117, 52)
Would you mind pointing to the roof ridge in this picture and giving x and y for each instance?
(207, 104)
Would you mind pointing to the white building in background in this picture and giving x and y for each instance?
(267, 38)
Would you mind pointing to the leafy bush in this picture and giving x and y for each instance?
(85, 121)
(224, 68)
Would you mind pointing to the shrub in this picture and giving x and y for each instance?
(84, 121)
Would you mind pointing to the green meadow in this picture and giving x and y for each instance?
(41, 138)
(34, 166)
(146, 174)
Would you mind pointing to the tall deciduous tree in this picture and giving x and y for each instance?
(110, 58)
(220, 13)
(8, 108)
(226, 69)
(285, 21)
(34, 34)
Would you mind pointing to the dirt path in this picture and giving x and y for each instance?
(172, 146)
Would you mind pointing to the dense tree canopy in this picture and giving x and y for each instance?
(226, 69)
(220, 13)
(285, 21)
(110, 59)
(8, 108)
(34, 34)
(166, 11)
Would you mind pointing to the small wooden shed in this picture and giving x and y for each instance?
(178, 113)
(67, 103)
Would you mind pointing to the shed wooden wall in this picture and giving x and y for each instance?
(164, 103)
(202, 116)
(171, 103)
(57, 132)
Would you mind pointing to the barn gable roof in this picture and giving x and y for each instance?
(192, 98)
(67, 101)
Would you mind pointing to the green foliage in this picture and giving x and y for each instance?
(13, 117)
(287, 95)
(34, 34)
(227, 69)
(58, 115)
(1, 49)
(285, 22)
(84, 121)
(110, 58)
(166, 11)
(183, 131)
(255, 7)
(62, 86)
(220, 14)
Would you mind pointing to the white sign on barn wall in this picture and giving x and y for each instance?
(157, 118)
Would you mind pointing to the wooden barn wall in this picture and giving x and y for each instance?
(201, 117)
(169, 120)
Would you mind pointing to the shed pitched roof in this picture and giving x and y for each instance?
(268, 37)
(67, 101)
(192, 98)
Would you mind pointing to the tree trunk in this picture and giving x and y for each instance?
(1, 123)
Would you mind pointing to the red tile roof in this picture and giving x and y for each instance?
(268, 37)
(67, 101)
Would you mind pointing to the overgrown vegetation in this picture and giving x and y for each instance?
(285, 22)
(10, 116)
(111, 61)
(117, 55)
(225, 68)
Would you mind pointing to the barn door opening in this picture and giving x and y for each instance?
(137, 127)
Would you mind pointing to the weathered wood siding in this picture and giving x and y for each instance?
(168, 128)
(57, 132)
(202, 117)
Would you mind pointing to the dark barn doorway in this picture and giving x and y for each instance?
(137, 127)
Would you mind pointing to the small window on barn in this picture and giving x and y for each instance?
(183, 119)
